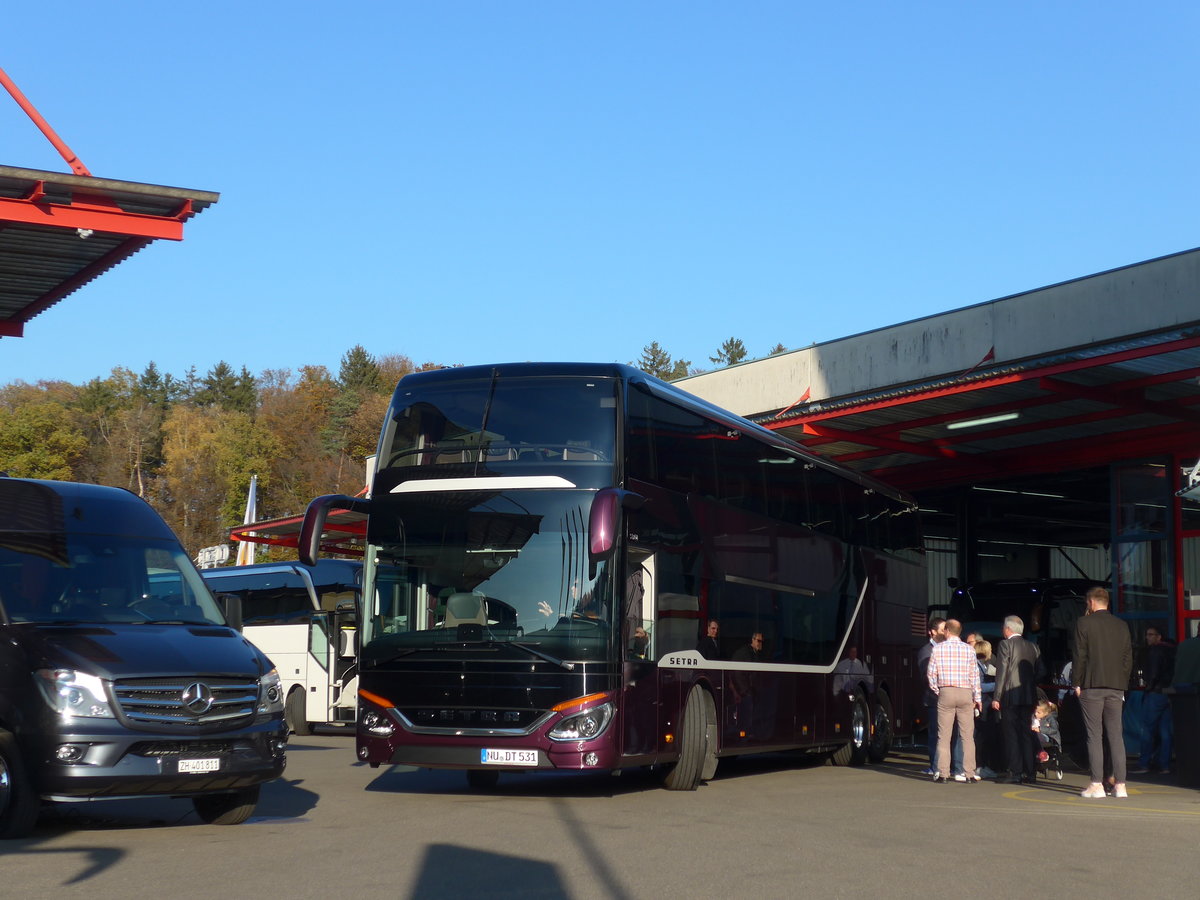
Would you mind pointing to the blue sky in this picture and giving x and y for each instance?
(472, 182)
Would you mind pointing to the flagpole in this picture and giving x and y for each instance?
(245, 554)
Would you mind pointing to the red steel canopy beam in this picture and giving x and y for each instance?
(94, 215)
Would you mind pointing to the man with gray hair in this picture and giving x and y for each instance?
(1018, 668)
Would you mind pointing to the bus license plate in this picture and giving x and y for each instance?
(493, 757)
(192, 766)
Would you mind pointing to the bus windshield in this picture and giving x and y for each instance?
(461, 567)
(512, 421)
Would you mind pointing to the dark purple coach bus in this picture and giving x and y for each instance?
(547, 545)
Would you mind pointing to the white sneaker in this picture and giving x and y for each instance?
(1120, 792)
(1095, 791)
(960, 777)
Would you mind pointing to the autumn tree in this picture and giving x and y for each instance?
(39, 438)
(296, 413)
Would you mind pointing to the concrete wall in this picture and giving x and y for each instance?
(1152, 296)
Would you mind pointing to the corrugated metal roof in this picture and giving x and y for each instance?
(58, 232)
(1141, 394)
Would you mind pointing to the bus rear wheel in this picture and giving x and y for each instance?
(854, 751)
(295, 714)
(697, 744)
(880, 743)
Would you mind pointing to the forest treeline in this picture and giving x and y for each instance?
(190, 445)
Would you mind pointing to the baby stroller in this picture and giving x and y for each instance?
(1049, 759)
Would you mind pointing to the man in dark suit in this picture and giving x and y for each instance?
(1018, 668)
(1100, 674)
(707, 645)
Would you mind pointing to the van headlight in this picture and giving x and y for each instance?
(583, 726)
(270, 693)
(73, 694)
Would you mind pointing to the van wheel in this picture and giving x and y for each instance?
(294, 713)
(19, 804)
(697, 753)
(880, 743)
(227, 809)
(854, 751)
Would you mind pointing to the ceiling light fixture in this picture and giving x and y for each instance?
(986, 420)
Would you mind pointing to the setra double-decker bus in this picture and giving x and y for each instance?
(576, 566)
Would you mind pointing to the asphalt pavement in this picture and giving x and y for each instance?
(771, 826)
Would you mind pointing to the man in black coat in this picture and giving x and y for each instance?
(1100, 674)
(1018, 668)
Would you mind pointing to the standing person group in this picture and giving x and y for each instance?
(953, 677)
(1100, 673)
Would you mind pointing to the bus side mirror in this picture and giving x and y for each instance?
(309, 545)
(231, 607)
(602, 520)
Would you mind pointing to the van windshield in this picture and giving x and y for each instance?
(101, 578)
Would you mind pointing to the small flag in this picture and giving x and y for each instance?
(918, 622)
(245, 555)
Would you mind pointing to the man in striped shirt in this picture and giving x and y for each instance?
(954, 676)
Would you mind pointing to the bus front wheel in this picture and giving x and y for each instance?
(294, 713)
(697, 744)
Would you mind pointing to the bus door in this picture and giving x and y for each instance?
(332, 651)
(639, 700)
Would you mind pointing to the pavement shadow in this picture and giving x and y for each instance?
(453, 871)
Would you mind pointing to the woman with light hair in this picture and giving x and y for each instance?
(987, 743)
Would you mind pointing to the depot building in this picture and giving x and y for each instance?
(1049, 437)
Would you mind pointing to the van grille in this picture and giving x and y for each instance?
(159, 702)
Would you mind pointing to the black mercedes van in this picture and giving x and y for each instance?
(120, 676)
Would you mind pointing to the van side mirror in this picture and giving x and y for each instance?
(309, 546)
(231, 607)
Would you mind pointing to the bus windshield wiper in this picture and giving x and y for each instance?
(540, 654)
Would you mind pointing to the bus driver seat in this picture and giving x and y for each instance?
(465, 609)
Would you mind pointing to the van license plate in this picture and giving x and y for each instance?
(192, 766)
(493, 757)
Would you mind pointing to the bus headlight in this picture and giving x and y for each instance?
(74, 694)
(270, 693)
(583, 726)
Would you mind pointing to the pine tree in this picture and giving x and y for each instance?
(731, 352)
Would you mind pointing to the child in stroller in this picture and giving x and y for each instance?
(1048, 750)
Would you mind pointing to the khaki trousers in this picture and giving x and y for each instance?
(956, 705)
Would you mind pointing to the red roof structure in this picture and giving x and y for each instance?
(58, 232)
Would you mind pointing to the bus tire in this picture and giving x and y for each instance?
(694, 750)
(882, 733)
(854, 751)
(482, 779)
(294, 713)
(232, 808)
(19, 803)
